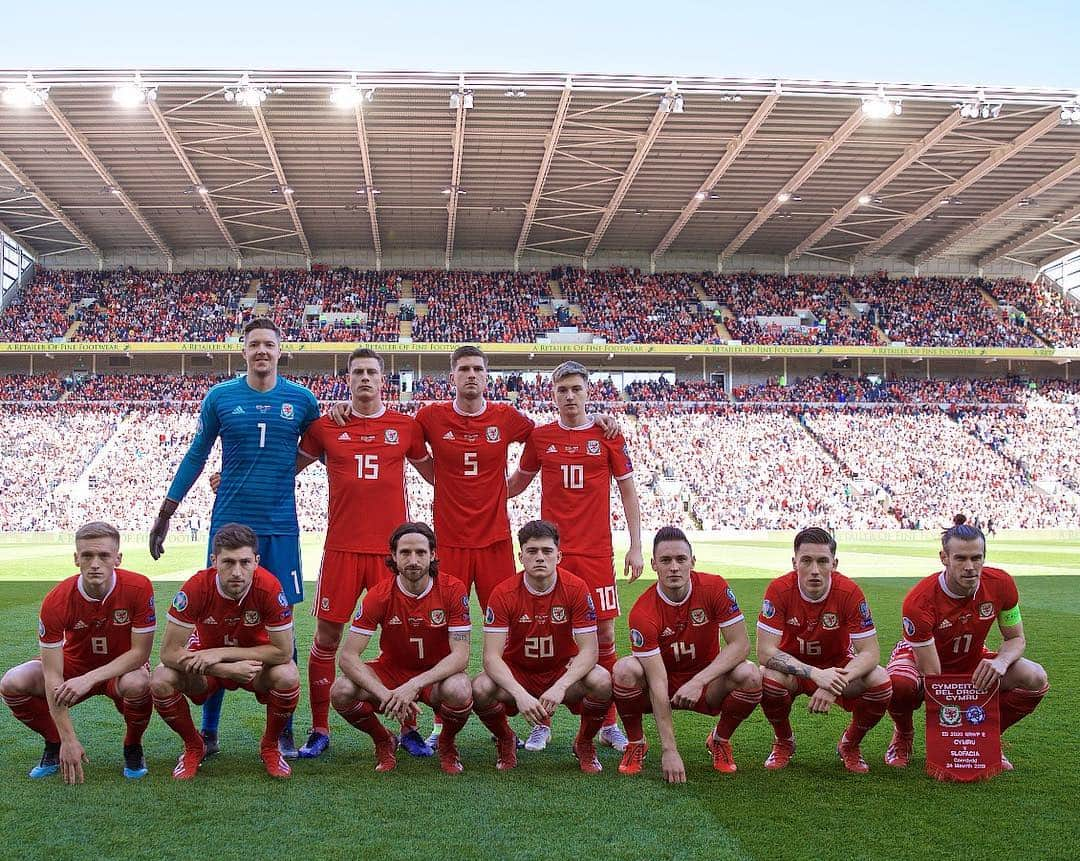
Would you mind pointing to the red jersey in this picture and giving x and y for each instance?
(219, 620)
(818, 633)
(686, 635)
(576, 466)
(92, 632)
(956, 625)
(470, 470)
(415, 628)
(540, 627)
(365, 463)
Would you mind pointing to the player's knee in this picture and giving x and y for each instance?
(343, 693)
(598, 683)
(284, 677)
(483, 690)
(10, 684)
(773, 676)
(456, 691)
(877, 676)
(628, 672)
(746, 676)
(328, 636)
(133, 685)
(1032, 676)
(163, 681)
(605, 633)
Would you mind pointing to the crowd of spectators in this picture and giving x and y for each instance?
(627, 306)
(481, 306)
(622, 305)
(840, 389)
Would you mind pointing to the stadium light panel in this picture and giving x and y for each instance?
(865, 200)
(133, 93)
(346, 97)
(784, 196)
(880, 106)
(25, 95)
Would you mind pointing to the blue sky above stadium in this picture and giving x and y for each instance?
(1029, 44)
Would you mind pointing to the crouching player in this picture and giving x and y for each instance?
(424, 650)
(677, 662)
(95, 633)
(540, 650)
(946, 619)
(816, 636)
(230, 626)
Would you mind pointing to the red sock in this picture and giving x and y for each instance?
(735, 708)
(320, 679)
(593, 713)
(175, 712)
(1018, 703)
(907, 696)
(868, 710)
(362, 716)
(453, 720)
(137, 717)
(494, 718)
(607, 659)
(626, 701)
(34, 712)
(279, 709)
(776, 703)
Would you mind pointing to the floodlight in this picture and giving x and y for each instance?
(25, 95)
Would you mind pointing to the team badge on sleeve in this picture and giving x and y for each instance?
(636, 638)
(767, 609)
(180, 601)
(282, 600)
(489, 616)
(151, 602)
(731, 597)
(40, 628)
(864, 611)
(590, 614)
(909, 627)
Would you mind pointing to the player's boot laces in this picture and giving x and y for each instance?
(898, 753)
(723, 757)
(633, 757)
(538, 739)
(316, 745)
(781, 754)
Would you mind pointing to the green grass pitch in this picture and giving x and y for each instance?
(338, 807)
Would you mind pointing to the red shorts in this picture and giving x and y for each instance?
(393, 677)
(903, 654)
(536, 684)
(642, 703)
(108, 688)
(482, 567)
(343, 578)
(598, 572)
(215, 684)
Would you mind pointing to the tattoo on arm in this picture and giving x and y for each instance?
(459, 635)
(784, 663)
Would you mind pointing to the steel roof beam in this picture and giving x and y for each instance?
(637, 160)
(80, 143)
(734, 147)
(369, 183)
(912, 153)
(50, 205)
(455, 176)
(550, 145)
(279, 173)
(1016, 244)
(822, 153)
(997, 157)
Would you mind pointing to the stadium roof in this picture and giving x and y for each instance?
(536, 166)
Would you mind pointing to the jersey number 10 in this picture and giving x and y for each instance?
(573, 476)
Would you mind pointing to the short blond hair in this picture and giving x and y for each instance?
(98, 529)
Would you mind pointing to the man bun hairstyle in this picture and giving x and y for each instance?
(815, 535)
(538, 529)
(962, 531)
(234, 536)
(670, 533)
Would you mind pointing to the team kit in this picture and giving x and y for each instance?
(549, 611)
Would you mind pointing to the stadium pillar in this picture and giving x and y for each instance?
(93, 364)
(730, 374)
(785, 370)
(704, 376)
(652, 264)
(181, 364)
(928, 369)
(32, 367)
(787, 268)
(419, 365)
(858, 367)
(335, 365)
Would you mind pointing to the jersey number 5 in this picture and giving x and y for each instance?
(472, 464)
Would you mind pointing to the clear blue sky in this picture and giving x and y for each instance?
(991, 42)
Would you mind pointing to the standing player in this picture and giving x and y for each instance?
(423, 650)
(95, 633)
(576, 465)
(365, 461)
(677, 662)
(816, 636)
(946, 619)
(259, 418)
(540, 650)
(229, 627)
